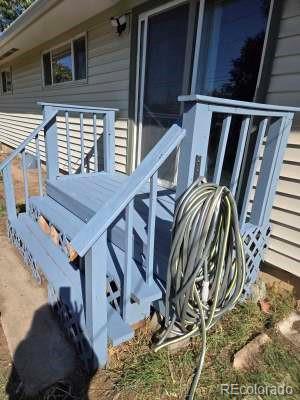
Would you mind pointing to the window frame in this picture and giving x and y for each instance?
(7, 92)
(51, 49)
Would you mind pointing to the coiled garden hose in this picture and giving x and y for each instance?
(206, 271)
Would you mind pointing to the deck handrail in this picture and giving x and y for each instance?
(75, 108)
(211, 101)
(26, 141)
(101, 221)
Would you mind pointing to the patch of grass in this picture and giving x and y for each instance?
(144, 375)
(2, 210)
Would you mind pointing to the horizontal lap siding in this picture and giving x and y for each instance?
(108, 82)
(284, 88)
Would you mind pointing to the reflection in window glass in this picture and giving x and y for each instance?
(62, 64)
(6, 81)
(232, 43)
(47, 69)
(79, 58)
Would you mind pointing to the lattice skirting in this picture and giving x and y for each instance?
(255, 243)
(69, 317)
(18, 242)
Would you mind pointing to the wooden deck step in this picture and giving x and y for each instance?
(57, 270)
(83, 194)
(70, 225)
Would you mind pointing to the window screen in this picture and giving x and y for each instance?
(47, 69)
(6, 81)
(79, 47)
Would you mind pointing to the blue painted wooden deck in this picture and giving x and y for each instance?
(119, 226)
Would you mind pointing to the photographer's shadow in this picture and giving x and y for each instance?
(45, 363)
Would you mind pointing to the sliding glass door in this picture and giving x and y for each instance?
(211, 47)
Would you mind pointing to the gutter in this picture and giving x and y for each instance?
(29, 16)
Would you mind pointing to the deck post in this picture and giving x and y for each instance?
(51, 144)
(109, 141)
(10, 199)
(194, 146)
(96, 300)
(270, 170)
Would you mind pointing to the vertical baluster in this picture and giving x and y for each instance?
(239, 155)
(260, 135)
(128, 260)
(151, 229)
(25, 179)
(270, 169)
(82, 142)
(221, 149)
(51, 145)
(95, 142)
(10, 199)
(68, 141)
(38, 160)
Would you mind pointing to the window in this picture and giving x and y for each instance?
(231, 49)
(65, 63)
(6, 80)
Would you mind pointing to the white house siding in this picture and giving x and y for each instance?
(284, 88)
(107, 86)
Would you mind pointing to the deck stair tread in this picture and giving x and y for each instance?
(70, 225)
(58, 271)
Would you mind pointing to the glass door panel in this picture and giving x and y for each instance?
(166, 37)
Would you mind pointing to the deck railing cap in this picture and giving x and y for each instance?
(197, 98)
(76, 107)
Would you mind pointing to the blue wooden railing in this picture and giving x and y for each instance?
(108, 117)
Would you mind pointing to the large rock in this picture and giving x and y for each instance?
(246, 358)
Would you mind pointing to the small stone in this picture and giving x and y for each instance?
(246, 358)
(298, 305)
(154, 323)
(290, 328)
(175, 347)
(258, 291)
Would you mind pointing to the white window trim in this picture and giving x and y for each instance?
(8, 92)
(50, 50)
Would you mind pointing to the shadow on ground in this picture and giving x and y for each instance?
(45, 365)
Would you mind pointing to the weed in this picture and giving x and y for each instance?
(145, 375)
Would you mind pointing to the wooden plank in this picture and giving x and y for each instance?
(81, 143)
(95, 141)
(68, 142)
(38, 160)
(25, 179)
(253, 168)
(51, 144)
(101, 221)
(239, 155)
(270, 169)
(126, 288)
(95, 299)
(193, 149)
(109, 141)
(10, 199)
(151, 229)
(221, 148)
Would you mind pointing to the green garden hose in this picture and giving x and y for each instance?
(206, 271)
